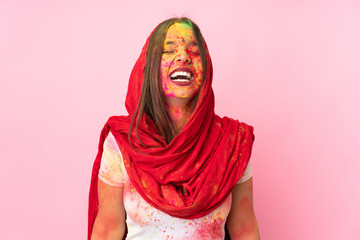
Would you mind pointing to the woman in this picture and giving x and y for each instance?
(172, 169)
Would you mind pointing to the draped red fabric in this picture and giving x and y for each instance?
(195, 173)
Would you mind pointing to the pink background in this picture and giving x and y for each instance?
(289, 68)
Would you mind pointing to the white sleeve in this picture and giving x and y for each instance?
(111, 170)
(247, 174)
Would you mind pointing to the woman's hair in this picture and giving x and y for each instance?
(151, 99)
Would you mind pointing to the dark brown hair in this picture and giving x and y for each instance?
(151, 99)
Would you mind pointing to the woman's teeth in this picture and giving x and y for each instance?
(181, 76)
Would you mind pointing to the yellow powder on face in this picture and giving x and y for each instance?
(179, 44)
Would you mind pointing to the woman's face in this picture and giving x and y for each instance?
(181, 68)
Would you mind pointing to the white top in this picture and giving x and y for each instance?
(146, 222)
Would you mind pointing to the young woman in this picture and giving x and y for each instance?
(172, 169)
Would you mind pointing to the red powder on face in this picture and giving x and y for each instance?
(181, 36)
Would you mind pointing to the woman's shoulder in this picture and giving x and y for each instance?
(231, 122)
(118, 122)
(117, 119)
(110, 142)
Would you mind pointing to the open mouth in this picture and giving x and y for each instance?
(182, 76)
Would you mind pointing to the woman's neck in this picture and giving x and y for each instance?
(179, 112)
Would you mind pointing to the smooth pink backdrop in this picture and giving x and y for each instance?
(289, 68)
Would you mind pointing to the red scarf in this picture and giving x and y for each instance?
(207, 158)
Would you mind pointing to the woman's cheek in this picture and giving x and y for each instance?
(199, 76)
(166, 86)
(164, 74)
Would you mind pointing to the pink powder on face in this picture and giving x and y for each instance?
(175, 56)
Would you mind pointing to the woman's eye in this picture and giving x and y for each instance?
(168, 51)
(195, 52)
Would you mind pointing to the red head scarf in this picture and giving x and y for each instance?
(206, 158)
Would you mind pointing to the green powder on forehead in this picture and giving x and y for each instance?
(188, 24)
(185, 24)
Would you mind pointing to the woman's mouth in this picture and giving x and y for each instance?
(182, 76)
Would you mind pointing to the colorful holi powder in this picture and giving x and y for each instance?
(180, 54)
(179, 114)
(148, 222)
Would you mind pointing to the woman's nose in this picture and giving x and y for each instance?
(183, 57)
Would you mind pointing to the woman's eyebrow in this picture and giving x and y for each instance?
(192, 43)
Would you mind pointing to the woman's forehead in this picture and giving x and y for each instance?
(180, 31)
